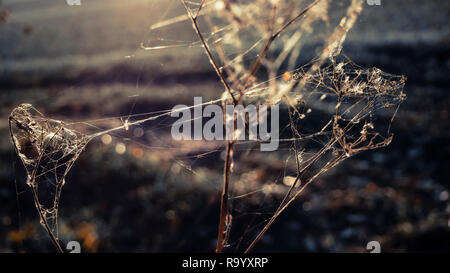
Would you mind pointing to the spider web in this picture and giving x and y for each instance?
(339, 111)
(47, 149)
(333, 109)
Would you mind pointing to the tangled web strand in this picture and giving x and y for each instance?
(47, 149)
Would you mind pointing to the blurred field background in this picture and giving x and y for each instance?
(85, 62)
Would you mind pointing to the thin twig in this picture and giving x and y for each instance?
(205, 46)
(269, 42)
(283, 207)
(230, 144)
(224, 198)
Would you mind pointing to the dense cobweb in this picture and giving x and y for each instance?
(47, 149)
(332, 109)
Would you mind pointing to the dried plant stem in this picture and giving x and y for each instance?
(230, 144)
(205, 46)
(269, 42)
(224, 198)
(287, 201)
(254, 68)
(341, 31)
